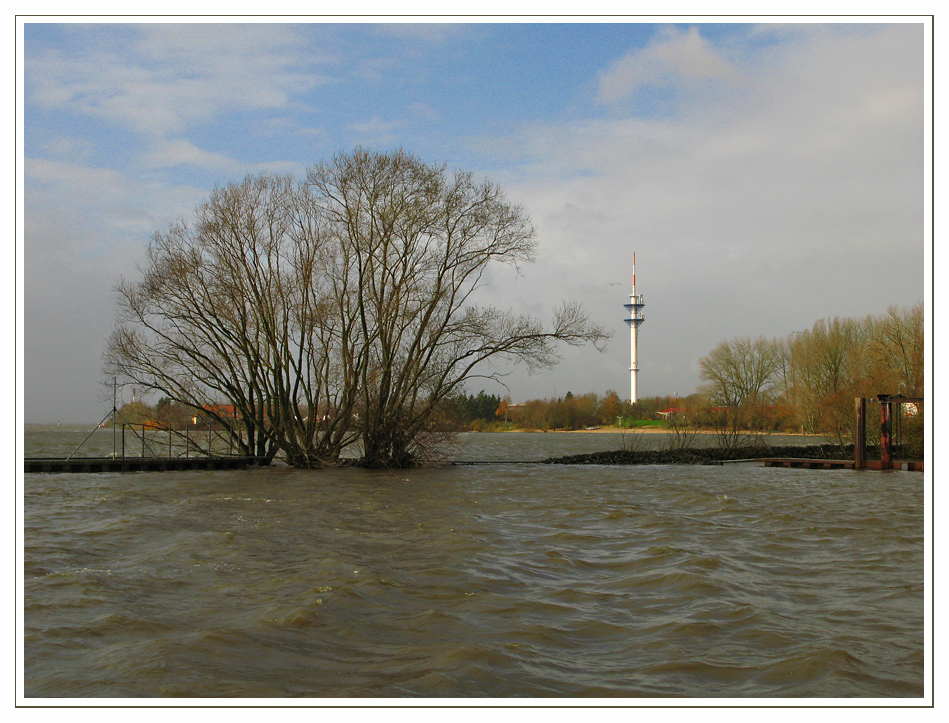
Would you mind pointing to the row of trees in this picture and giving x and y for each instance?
(808, 381)
(166, 414)
(475, 411)
(486, 412)
(333, 312)
(804, 383)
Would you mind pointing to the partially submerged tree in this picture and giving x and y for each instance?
(233, 310)
(333, 310)
(414, 243)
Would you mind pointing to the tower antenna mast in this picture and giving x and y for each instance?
(634, 317)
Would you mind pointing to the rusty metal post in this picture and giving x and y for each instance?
(886, 432)
(860, 434)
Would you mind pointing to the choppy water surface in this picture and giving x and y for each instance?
(485, 581)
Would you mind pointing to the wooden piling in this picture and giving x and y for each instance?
(886, 432)
(860, 434)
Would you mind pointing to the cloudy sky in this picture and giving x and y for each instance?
(766, 176)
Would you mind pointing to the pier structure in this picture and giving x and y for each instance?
(33, 465)
(148, 461)
(886, 401)
(860, 461)
(634, 317)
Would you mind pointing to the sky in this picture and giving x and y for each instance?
(765, 175)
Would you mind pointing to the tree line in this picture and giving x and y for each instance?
(570, 412)
(804, 383)
(333, 313)
(808, 380)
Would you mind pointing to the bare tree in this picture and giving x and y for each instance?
(898, 346)
(740, 376)
(235, 308)
(332, 311)
(831, 367)
(682, 431)
(415, 241)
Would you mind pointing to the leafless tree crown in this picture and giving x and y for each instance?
(333, 312)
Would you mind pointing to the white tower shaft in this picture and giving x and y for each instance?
(634, 319)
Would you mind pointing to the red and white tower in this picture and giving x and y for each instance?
(634, 311)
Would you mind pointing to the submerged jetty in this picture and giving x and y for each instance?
(811, 456)
(136, 464)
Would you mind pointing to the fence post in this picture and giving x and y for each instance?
(860, 434)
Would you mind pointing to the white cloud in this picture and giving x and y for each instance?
(675, 57)
(183, 152)
(376, 130)
(162, 79)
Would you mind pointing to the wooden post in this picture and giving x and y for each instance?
(123, 441)
(143, 440)
(886, 432)
(860, 434)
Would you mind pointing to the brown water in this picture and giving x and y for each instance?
(475, 581)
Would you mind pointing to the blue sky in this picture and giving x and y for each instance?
(765, 176)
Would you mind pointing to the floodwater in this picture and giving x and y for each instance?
(473, 581)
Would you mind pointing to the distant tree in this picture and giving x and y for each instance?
(172, 415)
(535, 414)
(830, 369)
(503, 410)
(611, 407)
(809, 380)
(740, 376)
(484, 406)
(898, 347)
(135, 412)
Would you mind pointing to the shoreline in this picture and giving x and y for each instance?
(637, 430)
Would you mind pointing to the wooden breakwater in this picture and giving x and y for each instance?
(136, 464)
(798, 463)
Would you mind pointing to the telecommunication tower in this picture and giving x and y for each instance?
(634, 311)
